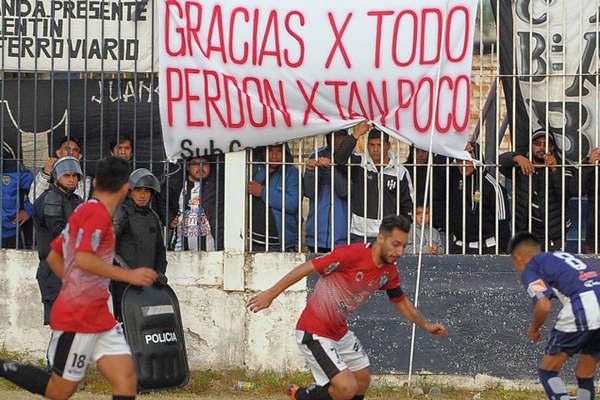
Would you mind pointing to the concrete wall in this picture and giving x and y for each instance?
(220, 333)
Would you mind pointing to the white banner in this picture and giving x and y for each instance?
(557, 60)
(245, 73)
(78, 35)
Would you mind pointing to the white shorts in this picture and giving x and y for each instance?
(326, 358)
(70, 353)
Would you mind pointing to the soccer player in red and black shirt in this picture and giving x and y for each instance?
(349, 275)
(83, 329)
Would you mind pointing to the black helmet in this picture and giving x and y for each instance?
(143, 178)
(66, 165)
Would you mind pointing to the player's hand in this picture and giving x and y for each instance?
(534, 334)
(141, 276)
(261, 301)
(437, 330)
(525, 165)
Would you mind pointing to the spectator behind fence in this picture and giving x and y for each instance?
(320, 164)
(122, 147)
(16, 207)
(67, 146)
(51, 212)
(195, 206)
(476, 196)
(416, 165)
(534, 208)
(282, 230)
(138, 232)
(377, 166)
(589, 178)
(433, 240)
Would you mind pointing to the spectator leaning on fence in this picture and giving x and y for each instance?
(376, 176)
(320, 166)
(16, 207)
(138, 232)
(477, 201)
(122, 147)
(67, 146)
(51, 212)
(273, 192)
(543, 200)
(433, 240)
(196, 205)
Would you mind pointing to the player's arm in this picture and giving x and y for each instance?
(56, 263)
(409, 311)
(94, 265)
(264, 299)
(541, 311)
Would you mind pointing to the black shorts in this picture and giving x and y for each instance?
(585, 342)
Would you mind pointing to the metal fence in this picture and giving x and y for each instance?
(535, 92)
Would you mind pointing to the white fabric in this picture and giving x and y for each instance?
(87, 348)
(347, 353)
(270, 71)
(189, 226)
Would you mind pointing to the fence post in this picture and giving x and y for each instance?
(235, 221)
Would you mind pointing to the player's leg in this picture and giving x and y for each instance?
(332, 377)
(113, 358)
(585, 371)
(549, 368)
(119, 371)
(587, 366)
(351, 351)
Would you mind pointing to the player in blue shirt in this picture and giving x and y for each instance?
(577, 331)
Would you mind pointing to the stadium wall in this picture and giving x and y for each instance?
(478, 297)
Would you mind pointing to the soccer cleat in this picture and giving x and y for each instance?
(291, 391)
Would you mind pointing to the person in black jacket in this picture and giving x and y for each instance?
(477, 201)
(589, 183)
(51, 211)
(378, 176)
(200, 178)
(138, 232)
(535, 203)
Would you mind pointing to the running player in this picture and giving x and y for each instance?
(83, 329)
(349, 275)
(577, 330)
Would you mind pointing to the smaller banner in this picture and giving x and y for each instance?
(250, 73)
(77, 35)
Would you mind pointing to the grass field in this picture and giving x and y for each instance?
(208, 385)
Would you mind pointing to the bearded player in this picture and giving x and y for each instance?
(83, 329)
(349, 275)
(577, 330)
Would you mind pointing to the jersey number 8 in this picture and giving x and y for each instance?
(571, 260)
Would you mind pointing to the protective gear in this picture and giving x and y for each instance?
(152, 321)
(50, 214)
(143, 178)
(139, 243)
(66, 165)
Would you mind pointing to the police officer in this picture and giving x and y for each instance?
(50, 214)
(138, 231)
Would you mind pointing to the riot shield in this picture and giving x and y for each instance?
(154, 332)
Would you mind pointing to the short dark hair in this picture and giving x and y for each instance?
(520, 239)
(339, 132)
(111, 174)
(391, 222)
(120, 139)
(377, 134)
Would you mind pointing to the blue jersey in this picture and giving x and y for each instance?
(572, 282)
